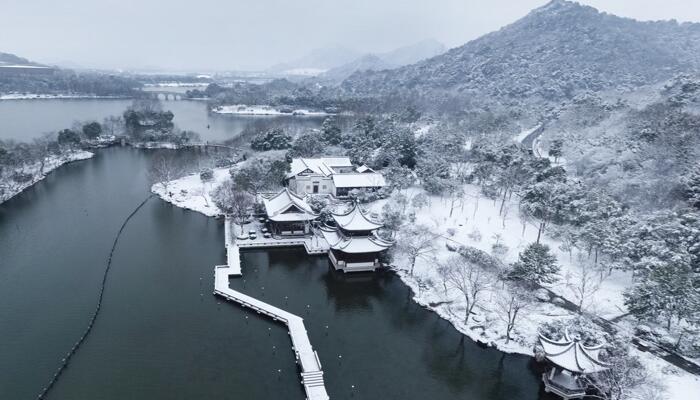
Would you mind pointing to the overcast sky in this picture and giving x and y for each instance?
(210, 35)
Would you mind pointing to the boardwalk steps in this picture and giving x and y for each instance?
(306, 356)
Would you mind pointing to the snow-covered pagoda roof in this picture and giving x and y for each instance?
(286, 206)
(359, 180)
(573, 356)
(322, 166)
(354, 244)
(355, 220)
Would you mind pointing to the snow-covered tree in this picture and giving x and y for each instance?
(308, 144)
(272, 139)
(626, 374)
(691, 186)
(163, 169)
(555, 149)
(510, 307)
(414, 242)
(330, 132)
(233, 202)
(259, 175)
(469, 279)
(535, 265)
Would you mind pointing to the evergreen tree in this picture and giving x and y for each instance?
(535, 265)
(92, 130)
(273, 139)
(691, 186)
(555, 149)
(330, 131)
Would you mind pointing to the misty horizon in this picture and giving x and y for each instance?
(249, 36)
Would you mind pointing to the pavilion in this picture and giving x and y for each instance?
(570, 360)
(289, 214)
(354, 245)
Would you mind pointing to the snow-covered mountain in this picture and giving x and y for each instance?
(317, 61)
(364, 63)
(553, 53)
(414, 52)
(335, 63)
(393, 59)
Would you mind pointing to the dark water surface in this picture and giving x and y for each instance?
(24, 120)
(163, 335)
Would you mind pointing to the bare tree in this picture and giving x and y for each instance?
(233, 202)
(444, 271)
(113, 125)
(416, 241)
(470, 280)
(40, 150)
(163, 170)
(626, 374)
(511, 306)
(583, 284)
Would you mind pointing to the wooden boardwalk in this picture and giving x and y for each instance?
(311, 371)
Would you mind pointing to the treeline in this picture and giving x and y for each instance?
(281, 93)
(659, 247)
(60, 81)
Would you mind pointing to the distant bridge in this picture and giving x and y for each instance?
(164, 95)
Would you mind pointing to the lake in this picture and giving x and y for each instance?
(161, 332)
(24, 120)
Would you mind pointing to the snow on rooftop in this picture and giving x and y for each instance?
(287, 206)
(355, 220)
(355, 244)
(359, 180)
(573, 356)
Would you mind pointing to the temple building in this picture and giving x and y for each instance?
(335, 176)
(354, 246)
(570, 360)
(288, 214)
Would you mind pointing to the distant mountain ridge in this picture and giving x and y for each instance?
(553, 53)
(338, 62)
(392, 59)
(11, 59)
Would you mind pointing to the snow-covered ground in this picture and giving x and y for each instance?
(50, 164)
(476, 222)
(191, 193)
(175, 84)
(241, 109)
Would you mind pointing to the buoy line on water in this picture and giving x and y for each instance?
(64, 361)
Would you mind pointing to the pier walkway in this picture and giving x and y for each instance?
(311, 371)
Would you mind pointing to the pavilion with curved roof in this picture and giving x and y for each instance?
(570, 360)
(354, 245)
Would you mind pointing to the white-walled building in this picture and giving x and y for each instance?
(336, 176)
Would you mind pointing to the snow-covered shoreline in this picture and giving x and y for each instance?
(51, 164)
(475, 222)
(241, 109)
(38, 96)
